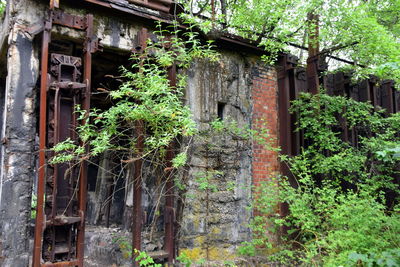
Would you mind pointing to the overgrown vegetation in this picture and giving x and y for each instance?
(145, 96)
(343, 198)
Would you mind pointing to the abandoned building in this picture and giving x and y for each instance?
(59, 55)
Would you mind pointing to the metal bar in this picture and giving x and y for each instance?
(137, 175)
(39, 225)
(56, 140)
(285, 127)
(284, 104)
(110, 192)
(68, 20)
(137, 192)
(87, 72)
(169, 244)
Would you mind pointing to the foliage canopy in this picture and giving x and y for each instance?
(365, 32)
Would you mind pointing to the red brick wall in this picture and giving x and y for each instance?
(265, 115)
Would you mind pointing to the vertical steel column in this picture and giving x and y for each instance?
(137, 176)
(87, 74)
(169, 241)
(40, 223)
(137, 192)
(285, 125)
(286, 130)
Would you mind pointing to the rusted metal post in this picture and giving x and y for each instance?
(87, 73)
(137, 175)
(313, 54)
(286, 131)
(39, 226)
(137, 192)
(169, 241)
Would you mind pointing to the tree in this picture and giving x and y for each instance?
(364, 32)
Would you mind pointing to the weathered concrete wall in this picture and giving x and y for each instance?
(18, 139)
(215, 219)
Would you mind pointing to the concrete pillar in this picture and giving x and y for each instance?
(17, 158)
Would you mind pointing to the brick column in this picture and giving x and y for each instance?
(265, 115)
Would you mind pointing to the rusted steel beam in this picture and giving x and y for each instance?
(137, 218)
(288, 87)
(68, 20)
(39, 225)
(169, 239)
(137, 191)
(87, 74)
(285, 86)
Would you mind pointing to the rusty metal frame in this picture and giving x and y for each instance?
(160, 5)
(90, 46)
(137, 219)
(39, 226)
